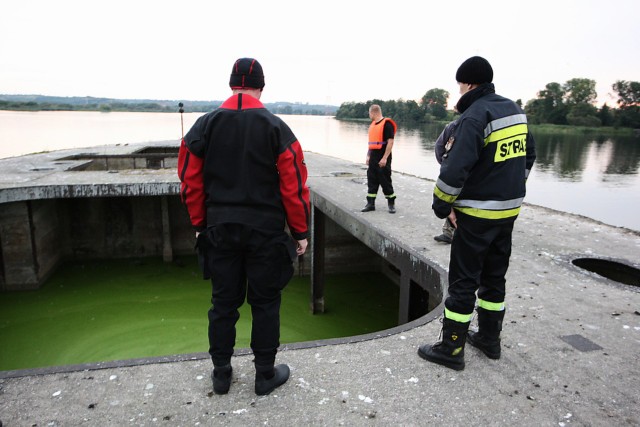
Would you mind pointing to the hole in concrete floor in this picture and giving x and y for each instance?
(159, 150)
(613, 270)
(341, 173)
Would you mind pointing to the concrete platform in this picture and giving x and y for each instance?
(571, 339)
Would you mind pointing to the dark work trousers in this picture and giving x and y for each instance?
(377, 176)
(479, 261)
(243, 262)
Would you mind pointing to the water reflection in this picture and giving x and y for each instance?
(625, 156)
(566, 155)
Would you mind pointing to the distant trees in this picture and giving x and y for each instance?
(580, 94)
(573, 103)
(357, 110)
(433, 106)
(434, 103)
(549, 107)
(103, 107)
(106, 105)
(628, 113)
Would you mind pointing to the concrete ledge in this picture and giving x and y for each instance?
(571, 341)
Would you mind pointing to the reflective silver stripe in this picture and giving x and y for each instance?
(516, 119)
(447, 188)
(490, 205)
(526, 173)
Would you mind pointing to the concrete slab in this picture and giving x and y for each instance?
(542, 379)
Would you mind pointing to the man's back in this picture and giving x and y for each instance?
(500, 135)
(490, 158)
(240, 144)
(242, 176)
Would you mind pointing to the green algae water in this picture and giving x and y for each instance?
(123, 309)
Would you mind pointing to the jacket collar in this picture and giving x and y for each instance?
(473, 95)
(241, 101)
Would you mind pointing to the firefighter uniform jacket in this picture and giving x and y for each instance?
(242, 164)
(485, 169)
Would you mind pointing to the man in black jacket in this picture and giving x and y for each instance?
(480, 190)
(243, 177)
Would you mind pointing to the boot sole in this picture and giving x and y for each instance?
(456, 367)
(221, 391)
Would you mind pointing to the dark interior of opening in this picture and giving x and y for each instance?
(613, 270)
(418, 301)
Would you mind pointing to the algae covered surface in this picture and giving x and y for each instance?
(95, 311)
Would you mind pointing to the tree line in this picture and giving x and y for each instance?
(56, 103)
(571, 103)
(115, 106)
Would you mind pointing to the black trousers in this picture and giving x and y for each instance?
(377, 176)
(245, 263)
(479, 260)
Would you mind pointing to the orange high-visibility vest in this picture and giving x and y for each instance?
(376, 133)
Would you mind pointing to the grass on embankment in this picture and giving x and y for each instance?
(113, 310)
(582, 130)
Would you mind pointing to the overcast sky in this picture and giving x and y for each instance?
(321, 52)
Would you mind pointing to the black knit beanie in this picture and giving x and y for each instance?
(475, 70)
(246, 73)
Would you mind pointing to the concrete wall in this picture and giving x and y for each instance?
(19, 265)
(346, 254)
(36, 236)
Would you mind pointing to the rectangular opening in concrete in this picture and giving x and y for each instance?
(147, 158)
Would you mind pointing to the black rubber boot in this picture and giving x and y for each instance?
(487, 339)
(221, 377)
(392, 205)
(269, 379)
(371, 205)
(450, 351)
(443, 238)
(447, 232)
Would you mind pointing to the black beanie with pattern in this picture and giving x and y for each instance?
(246, 73)
(475, 70)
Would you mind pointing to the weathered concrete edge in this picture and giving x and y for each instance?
(43, 192)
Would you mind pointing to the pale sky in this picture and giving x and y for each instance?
(322, 52)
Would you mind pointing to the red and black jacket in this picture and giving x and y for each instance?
(242, 164)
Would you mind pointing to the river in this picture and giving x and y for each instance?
(594, 176)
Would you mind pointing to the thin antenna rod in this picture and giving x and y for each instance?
(181, 110)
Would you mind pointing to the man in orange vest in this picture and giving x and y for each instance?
(381, 134)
